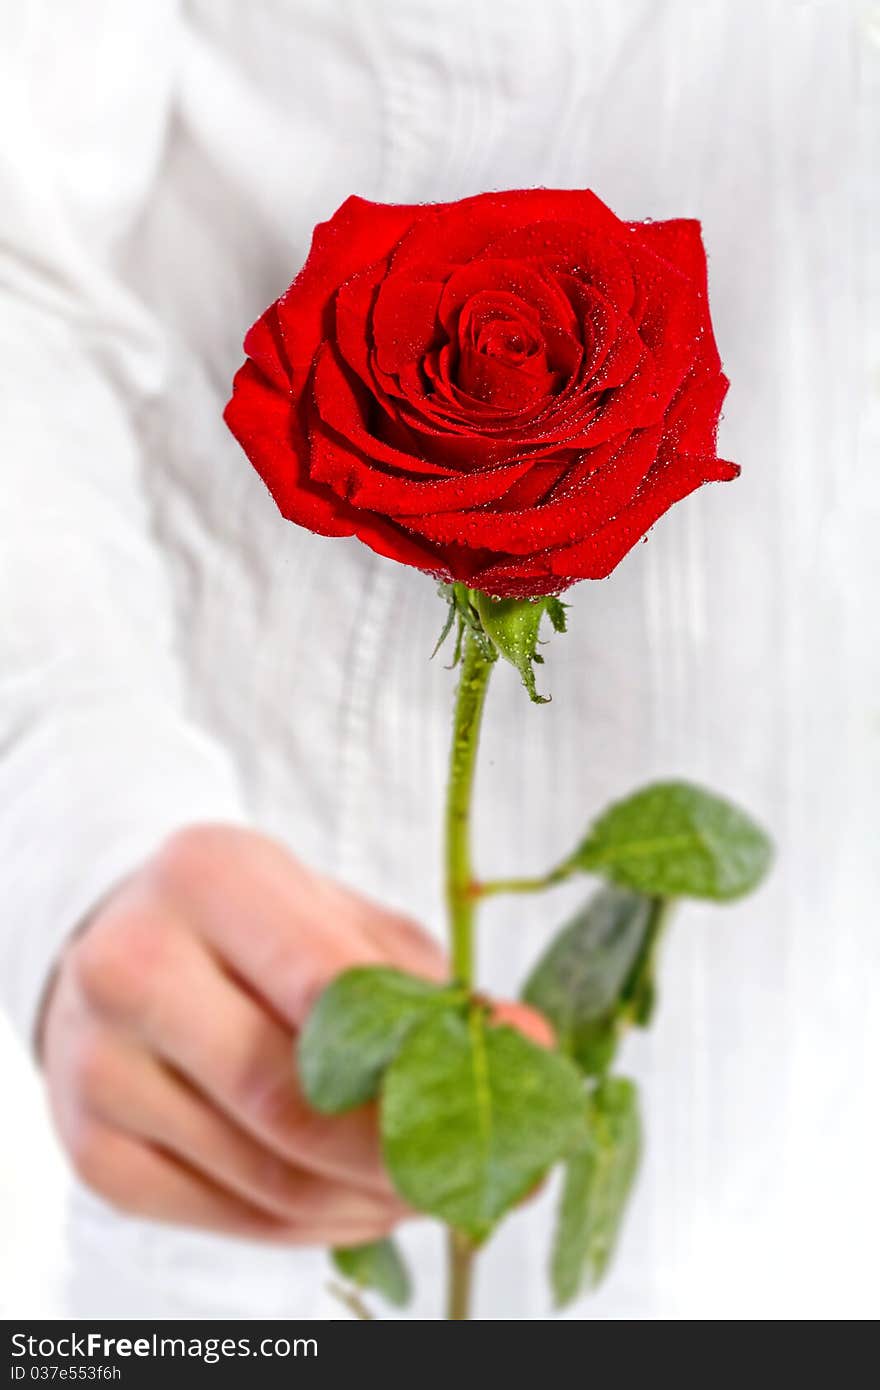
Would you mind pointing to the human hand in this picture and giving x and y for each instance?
(168, 1043)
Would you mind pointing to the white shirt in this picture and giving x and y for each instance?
(173, 651)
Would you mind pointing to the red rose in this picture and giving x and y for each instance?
(508, 390)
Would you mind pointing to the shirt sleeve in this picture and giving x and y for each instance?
(99, 757)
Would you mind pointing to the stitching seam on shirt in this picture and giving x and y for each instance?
(355, 707)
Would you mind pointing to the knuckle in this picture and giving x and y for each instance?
(96, 1164)
(190, 853)
(92, 1073)
(118, 961)
(182, 849)
(388, 1225)
(281, 1183)
(267, 1097)
(367, 1231)
(87, 1150)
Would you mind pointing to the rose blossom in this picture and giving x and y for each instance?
(506, 391)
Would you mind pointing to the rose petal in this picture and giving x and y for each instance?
(487, 379)
(262, 422)
(678, 241)
(387, 539)
(405, 321)
(668, 482)
(343, 404)
(357, 235)
(569, 248)
(518, 578)
(516, 279)
(264, 345)
(691, 423)
(357, 480)
(619, 472)
(451, 234)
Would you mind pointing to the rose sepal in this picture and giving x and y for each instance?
(513, 627)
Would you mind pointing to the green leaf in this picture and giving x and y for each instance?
(639, 997)
(472, 1117)
(378, 1266)
(512, 625)
(598, 1181)
(674, 839)
(357, 1027)
(579, 981)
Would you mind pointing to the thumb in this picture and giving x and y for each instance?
(526, 1020)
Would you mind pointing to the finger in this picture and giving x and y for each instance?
(526, 1020)
(129, 1090)
(283, 929)
(145, 1182)
(235, 1053)
(402, 942)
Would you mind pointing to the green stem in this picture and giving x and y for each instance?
(461, 897)
(351, 1299)
(523, 885)
(460, 889)
(461, 1270)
